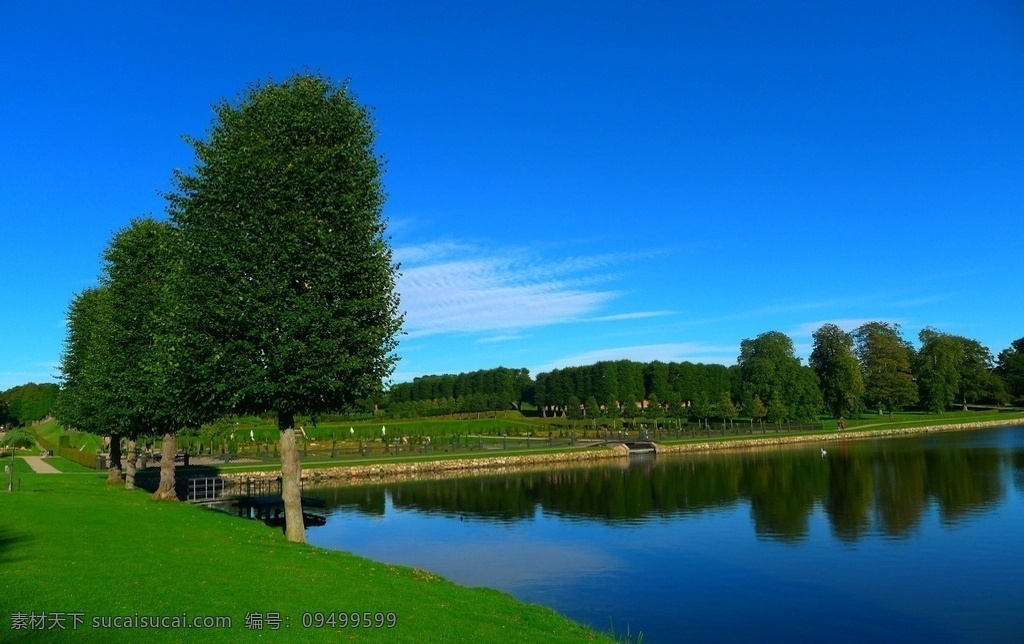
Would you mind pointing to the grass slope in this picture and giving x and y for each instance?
(49, 432)
(71, 543)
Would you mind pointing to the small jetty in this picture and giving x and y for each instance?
(253, 499)
(640, 447)
(270, 509)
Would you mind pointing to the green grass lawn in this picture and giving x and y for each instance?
(922, 419)
(70, 543)
(65, 465)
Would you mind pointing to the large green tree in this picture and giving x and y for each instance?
(978, 383)
(87, 400)
(839, 376)
(771, 371)
(288, 278)
(1010, 367)
(938, 369)
(136, 273)
(954, 368)
(885, 361)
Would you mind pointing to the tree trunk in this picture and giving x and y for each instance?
(129, 478)
(114, 469)
(168, 448)
(291, 473)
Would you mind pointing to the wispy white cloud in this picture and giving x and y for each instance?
(638, 315)
(451, 287)
(668, 352)
(505, 337)
(429, 252)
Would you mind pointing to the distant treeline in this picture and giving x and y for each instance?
(484, 390)
(26, 403)
(872, 367)
(620, 384)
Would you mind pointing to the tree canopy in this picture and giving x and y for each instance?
(287, 276)
(86, 400)
(772, 372)
(286, 264)
(938, 369)
(19, 439)
(885, 362)
(135, 274)
(832, 358)
(1010, 368)
(27, 403)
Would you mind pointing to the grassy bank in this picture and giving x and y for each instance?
(70, 543)
(48, 434)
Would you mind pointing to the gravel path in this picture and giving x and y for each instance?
(39, 465)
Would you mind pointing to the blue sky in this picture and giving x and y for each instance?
(568, 181)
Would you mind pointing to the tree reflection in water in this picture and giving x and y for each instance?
(860, 487)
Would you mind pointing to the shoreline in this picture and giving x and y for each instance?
(766, 440)
(344, 475)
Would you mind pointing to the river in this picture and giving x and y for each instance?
(897, 539)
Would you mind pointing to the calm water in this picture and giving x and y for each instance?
(889, 540)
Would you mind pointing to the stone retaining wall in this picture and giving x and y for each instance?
(442, 469)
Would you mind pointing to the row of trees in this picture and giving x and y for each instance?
(625, 385)
(269, 289)
(26, 404)
(873, 366)
(502, 388)
(768, 382)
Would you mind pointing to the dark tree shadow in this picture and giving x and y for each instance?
(10, 540)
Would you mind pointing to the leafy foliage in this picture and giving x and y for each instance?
(87, 401)
(772, 372)
(978, 383)
(286, 286)
(839, 375)
(624, 383)
(484, 390)
(1010, 368)
(27, 403)
(19, 438)
(137, 267)
(287, 277)
(938, 369)
(885, 361)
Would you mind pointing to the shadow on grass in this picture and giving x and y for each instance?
(9, 542)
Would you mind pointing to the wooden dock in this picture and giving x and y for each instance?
(270, 509)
